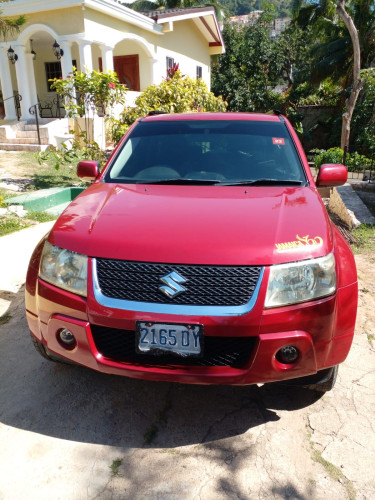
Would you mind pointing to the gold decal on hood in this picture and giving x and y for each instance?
(300, 242)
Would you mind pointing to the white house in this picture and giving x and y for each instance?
(100, 35)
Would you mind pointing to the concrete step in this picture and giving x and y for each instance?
(23, 147)
(25, 140)
(26, 133)
(29, 127)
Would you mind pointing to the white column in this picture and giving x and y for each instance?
(6, 85)
(23, 82)
(66, 59)
(29, 61)
(155, 71)
(66, 65)
(107, 57)
(85, 56)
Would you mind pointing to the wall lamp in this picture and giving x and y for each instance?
(12, 56)
(57, 50)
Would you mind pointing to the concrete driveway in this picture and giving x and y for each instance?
(70, 433)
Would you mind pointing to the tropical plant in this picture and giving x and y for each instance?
(9, 26)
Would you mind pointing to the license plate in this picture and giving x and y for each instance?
(163, 338)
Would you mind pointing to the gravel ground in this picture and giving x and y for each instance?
(68, 432)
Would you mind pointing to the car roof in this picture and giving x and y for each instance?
(212, 116)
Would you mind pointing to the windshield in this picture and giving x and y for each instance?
(220, 152)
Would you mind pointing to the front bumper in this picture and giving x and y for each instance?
(322, 331)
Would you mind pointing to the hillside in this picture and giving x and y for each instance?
(240, 7)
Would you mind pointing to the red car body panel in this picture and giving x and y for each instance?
(130, 218)
(203, 225)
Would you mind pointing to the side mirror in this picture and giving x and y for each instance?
(88, 170)
(332, 174)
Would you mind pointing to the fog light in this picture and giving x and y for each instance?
(287, 354)
(67, 338)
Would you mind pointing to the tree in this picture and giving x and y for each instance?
(245, 74)
(340, 46)
(291, 54)
(254, 64)
(357, 84)
(9, 26)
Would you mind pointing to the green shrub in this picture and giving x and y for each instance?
(333, 155)
(354, 162)
(178, 94)
(327, 94)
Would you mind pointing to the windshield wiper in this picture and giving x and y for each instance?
(264, 182)
(181, 181)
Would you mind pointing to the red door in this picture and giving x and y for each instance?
(127, 69)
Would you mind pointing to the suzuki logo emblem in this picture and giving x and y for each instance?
(172, 282)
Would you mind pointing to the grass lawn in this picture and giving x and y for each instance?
(365, 234)
(11, 222)
(25, 166)
(24, 169)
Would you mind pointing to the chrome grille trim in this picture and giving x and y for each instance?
(160, 308)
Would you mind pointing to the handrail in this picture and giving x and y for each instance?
(34, 111)
(17, 99)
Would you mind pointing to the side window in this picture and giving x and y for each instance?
(170, 63)
(199, 72)
(53, 70)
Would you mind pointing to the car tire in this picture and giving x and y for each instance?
(327, 383)
(45, 353)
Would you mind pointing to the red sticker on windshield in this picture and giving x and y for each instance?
(279, 141)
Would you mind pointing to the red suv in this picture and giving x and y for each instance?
(203, 254)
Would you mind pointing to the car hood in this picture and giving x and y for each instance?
(218, 225)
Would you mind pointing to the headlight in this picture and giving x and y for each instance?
(64, 269)
(301, 281)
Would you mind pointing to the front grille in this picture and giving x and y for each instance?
(205, 285)
(119, 345)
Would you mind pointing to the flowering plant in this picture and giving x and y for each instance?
(84, 92)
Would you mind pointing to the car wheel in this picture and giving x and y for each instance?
(45, 353)
(327, 383)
